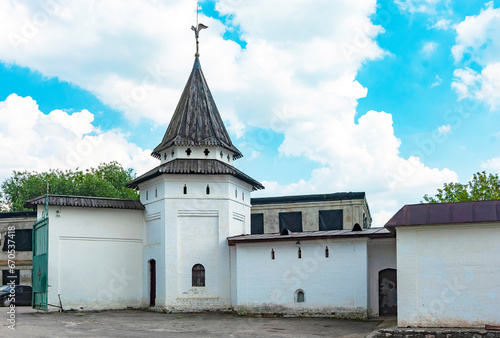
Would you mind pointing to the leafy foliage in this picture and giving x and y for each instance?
(107, 180)
(482, 187)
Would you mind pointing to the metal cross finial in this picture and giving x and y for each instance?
(197, 28)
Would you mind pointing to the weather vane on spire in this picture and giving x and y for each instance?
(197, 28)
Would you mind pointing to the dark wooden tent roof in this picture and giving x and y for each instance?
(196, 120)
(86, 201)
(195, 166)
(446, 213)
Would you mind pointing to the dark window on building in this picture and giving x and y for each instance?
(156, 192)
(185, 189)
(300, 253)
(21, 238)
(291, 220)
(208, 190)
(147, 195)
(327, 252)
(257, 224)
(272, 253)
(300, 296)
(331, 220)
(198, 273)
(188, 151)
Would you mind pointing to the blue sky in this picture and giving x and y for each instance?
(390, 97)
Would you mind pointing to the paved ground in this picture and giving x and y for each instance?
(135, 323)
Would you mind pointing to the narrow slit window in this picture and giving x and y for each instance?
(236, 193)
(242, 196)
(198, 274)
(156, 192)
(327, 252)
(208, 189)
(147, 195)
(272, 253)
(300, 253)
(185, 189)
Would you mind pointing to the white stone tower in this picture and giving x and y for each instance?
(194, 200)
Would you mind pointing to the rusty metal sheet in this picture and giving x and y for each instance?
(446, 213)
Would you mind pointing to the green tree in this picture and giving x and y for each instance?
(482, 187)
(107, 180)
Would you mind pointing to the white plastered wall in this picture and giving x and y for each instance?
(381, 256)
(94, 258)
(193, 229)
(333, 286)
(448, 275)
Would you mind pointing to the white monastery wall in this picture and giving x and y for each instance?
(195, 230)
(333, 286)
(381, 256)
(94, 257)
(448, 275)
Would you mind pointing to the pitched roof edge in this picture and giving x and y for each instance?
(86, 201)
(155, 172)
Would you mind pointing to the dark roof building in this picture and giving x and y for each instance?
(446, 213)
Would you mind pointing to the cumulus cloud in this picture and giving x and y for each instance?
(444, 129)
(443, 24)
(492, 165)
(429, 47)
(297, 76)
(478, 38)
(32, 140)
(437, 81)
(421, 6)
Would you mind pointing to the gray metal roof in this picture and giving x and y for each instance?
(86, 202)
(195, 166)
(340, 196)
(196, 120)
(446, 213)
(311, 235)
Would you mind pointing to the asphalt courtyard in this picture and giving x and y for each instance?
(138, 323)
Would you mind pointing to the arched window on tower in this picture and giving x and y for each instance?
(198, 273)
(299, 296)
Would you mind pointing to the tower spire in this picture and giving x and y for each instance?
(197, 28)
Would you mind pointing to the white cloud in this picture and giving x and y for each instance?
(429, 47)
(444, 129)
(483, 86)
(492, 165)
(32, 140)
(297, 76)
(442, 24)
(478, 38)
(420, 6)
(437, 82)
